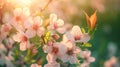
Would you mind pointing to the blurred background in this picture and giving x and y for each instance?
(106, 41)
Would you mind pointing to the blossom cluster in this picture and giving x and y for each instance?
(33, 40)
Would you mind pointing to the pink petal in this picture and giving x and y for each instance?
(60, 22)
(91, 59)
(88, 53)
(40, 31)
(28, 23)
(85, 38)
(60, 30)
(51, 58)
(73, 59)
(69, 36)
(30, 33)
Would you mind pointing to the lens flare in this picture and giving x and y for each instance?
(20, 3)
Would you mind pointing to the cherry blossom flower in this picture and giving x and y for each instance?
(51, 58)
(76, 35)
(53, 53)
(56, 24)
(23, 39)
(69, 51)
(35, 27)
(87, 58)
(35, 65)
(53, 49)
(21, 15)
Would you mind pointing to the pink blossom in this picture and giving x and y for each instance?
(76, 35)
(4, 31)
(87, 58)
(111, 62)
(21, 15)
(53, 53)
(51, 58)
(23, 39)
(69, 51)
(56, 24)
(53, 49)
(35, 27)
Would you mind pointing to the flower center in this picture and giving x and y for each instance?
(55, 25)
(70, 52)
(24, 38)
(35, 26)
(55, 50)
(6, 28)
(18, 18)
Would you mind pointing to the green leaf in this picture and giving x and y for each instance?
(88, 45)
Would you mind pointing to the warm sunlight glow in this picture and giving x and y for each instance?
(21, 3)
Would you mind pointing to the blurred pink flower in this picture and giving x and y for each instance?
(87, 58)
(76, 35)
(21, 15)
(51, 58)
(35, 27)
(4, 31)
(56, 24)
(111, 62)
(23, 39)
(53, 49)
(35, 65)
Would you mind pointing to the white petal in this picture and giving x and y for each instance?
(17, 37)
(26, 11)
(23, 46)
(38, 20)
(53, 18)
(17, 11)
(60, 22)
(76, 31)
